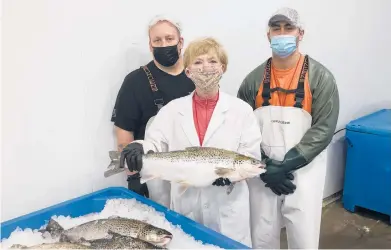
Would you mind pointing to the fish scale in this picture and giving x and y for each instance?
(118, 241)
(198, 154)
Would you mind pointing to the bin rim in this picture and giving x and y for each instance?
(124, 193)
(377, 123)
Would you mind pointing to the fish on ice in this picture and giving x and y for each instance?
(100, 228)
(118, 241)
(55, 245)
(197, 167)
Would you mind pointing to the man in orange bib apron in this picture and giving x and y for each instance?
(296, 102)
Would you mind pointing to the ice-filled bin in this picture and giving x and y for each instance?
(95, 202)
(368, 163)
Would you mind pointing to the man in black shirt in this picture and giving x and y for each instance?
(145, 90)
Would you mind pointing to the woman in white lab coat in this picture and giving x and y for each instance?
(209, 118)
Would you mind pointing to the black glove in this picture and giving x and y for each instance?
(221, 182)
(132, 153)
(285, 187)
(135, 185)
(278, 174)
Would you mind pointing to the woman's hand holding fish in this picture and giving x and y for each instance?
(221, 182)
(132, 153)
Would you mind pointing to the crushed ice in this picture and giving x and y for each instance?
(128, 208)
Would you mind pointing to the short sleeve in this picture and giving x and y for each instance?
(126, 113)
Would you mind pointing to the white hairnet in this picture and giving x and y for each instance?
(288, 15)
(171, 20)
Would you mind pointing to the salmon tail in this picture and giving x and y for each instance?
(53, 228)
(114, 166)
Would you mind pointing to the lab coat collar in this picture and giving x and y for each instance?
(217, 119)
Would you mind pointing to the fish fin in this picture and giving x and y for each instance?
(183, 182)
(201, 148)
(182, 189)
(222, 171)
(18, 246)
(114, 166)
(230, 188)
(84, 242)
(114, 217)
(146, 178)
(113, 234)
(193, 148)
(53, 228)
(114, 155)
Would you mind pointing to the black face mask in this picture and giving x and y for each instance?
(166, 56)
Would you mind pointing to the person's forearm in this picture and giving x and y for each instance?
(123, 138)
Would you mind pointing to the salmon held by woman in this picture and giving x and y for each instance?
(194, 166)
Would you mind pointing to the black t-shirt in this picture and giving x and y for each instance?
(135, 100)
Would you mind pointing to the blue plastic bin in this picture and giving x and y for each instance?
(95, 202)
(368, 163)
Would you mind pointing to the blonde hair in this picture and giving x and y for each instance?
(203, 46)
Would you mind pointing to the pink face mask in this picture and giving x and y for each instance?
(206, 79)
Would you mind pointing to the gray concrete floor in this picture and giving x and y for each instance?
(345, 230)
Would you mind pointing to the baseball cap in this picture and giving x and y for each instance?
(160, 18)
(288, 15)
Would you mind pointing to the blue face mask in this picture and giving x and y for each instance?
(283, 45)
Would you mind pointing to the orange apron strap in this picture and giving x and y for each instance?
(266, 91)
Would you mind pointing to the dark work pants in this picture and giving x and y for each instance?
(135, 185)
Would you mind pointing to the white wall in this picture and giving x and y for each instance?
(64, 61)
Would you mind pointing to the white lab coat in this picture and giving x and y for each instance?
(233, 126)
(158, 190)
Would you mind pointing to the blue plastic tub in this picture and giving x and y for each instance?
(95, 202)
(368, 163)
